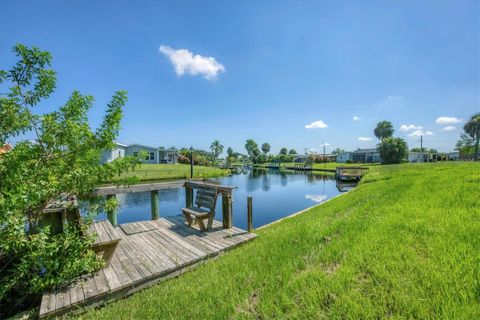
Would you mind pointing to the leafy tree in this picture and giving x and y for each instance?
(338, 151)
(472, 129)
(466, 145)
(418, 149)
(200, 157)
(217, 149)
(266, 148)
(292, 152)
(64, 160)
(284, 151)
(383, 130)
(252, 149)
(262, 158)
(392, 150)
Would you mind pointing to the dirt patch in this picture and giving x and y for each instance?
(332, 268)
(249, 306)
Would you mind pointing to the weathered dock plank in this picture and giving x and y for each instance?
(156, 251)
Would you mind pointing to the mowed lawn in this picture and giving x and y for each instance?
(146, 172)
(404, 244)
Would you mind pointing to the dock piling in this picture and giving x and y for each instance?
(249, 214)
(227, 210)
(155, 204)
(112, 213)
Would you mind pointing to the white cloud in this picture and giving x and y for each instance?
(449, 128)
(185, 62)
(406, 128)
(419, 133)
(448, 120)
(316, 197)
(364, 139)
(355, 118)
(393, 98)
(316, 125)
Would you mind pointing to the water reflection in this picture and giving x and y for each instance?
(343, 185)
(275, 193)
(316, 197)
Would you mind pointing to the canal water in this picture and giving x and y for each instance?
(276, 194)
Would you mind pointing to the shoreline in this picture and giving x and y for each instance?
(302, 211)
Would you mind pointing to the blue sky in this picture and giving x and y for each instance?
(262, 69)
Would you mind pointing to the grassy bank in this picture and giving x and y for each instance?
(404, 244)
(327, 165)
(148, 172)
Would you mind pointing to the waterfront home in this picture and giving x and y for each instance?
(152, 155)
(454, 156)
(301, 158)
(360, 155)
(422, 157)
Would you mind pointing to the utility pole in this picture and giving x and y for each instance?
(191, 162)
(421, 142)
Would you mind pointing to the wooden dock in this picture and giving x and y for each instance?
(148, 252)
(350, 173)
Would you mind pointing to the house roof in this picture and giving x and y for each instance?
(120, 144)
(5, 148)
(366, 150)
(145, 146)
(141, 145)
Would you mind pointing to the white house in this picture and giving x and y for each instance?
(117, 152)
(300, 158)
(360, 155)
(422, 157)
(151, 155)
(455, 156)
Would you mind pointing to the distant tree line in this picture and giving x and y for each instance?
(392, 150)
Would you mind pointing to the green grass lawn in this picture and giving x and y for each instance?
(148, 172)
(404, 244)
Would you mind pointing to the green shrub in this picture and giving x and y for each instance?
(64, 160)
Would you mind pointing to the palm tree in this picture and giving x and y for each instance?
(216, 148)
(383, 130)
(266, 148)
(472, 128)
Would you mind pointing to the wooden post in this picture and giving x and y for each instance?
(191, 162)
(188, 195)
(112, 214)
(249, 214)
(227, 210)
(155, 204)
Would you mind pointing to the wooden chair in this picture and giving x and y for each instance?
(204, 207)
